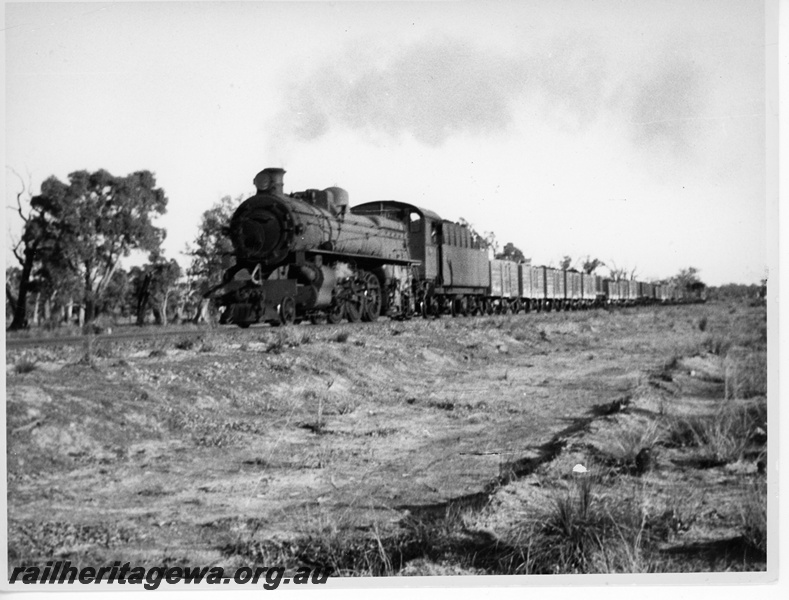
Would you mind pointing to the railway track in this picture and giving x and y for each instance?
(151, 334)
(123, 336)
(186, 332)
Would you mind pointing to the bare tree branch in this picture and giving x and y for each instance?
(25, 188)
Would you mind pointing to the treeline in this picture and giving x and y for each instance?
(74, 237)
(738, 291)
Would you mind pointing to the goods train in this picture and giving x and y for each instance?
(308, 255)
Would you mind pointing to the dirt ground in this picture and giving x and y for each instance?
(410, 448)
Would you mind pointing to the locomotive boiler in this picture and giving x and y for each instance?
(305, 254)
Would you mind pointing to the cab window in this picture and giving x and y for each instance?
(415, 225)
(435, 233)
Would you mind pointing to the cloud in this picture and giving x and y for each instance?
(429, 90)
(435, 89)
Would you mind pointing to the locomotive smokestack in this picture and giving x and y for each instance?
(270, 180)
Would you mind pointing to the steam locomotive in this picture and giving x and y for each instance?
(309, 255)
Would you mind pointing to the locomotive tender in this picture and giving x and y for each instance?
(308, 255)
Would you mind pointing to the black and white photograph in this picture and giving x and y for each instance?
(321, 295)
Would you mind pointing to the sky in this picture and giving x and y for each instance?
(629, 131)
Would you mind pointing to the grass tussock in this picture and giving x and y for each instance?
(753, 516)
(341, 337)
(745, 374)
(25, 364)
(278, 344)
(185, 344)
(722, 437)
(585, 531)
(716, 344)
(634, 448)
(282, 341)
(89, 352)
(208, 343)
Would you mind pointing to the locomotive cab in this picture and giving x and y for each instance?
(453, 271)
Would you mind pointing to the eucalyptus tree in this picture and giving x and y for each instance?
(95, 220)
(211, 252)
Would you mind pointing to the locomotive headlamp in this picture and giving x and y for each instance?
(269, 180)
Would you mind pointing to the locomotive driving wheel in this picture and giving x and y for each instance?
(287, 311)
(423, 302)
(354, 300)
(336, 311)
(457, 306)
(371, 307)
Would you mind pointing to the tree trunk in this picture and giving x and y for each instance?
(36, 306)
(142, 305)
(89, 310)
(10, 298)
(142, 299)
(164, 308)
(178, 317)
(48, 310)
(20, 310)
(69, 313)
(202, 311)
